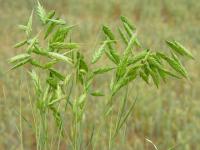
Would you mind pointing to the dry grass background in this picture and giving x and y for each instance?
(169, 116)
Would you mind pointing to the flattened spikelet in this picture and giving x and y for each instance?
(36, 82)
(155, 76)
(97, 55)
(144, 77)
(57, 21)
(123, 36)
(60, 45)
(152, 61)
(137, 57)
(126, 21)
(20, 44)
(170, 73)
(49, 29)
(128, 30)
(51, 14)
(108, 33)
(175, 65)
(29, 25)
(102, 70)
(21, 63)
(36, 63)
(57, 74)
(60, 57)
(19, 57)
(180, 49)
(41, 13)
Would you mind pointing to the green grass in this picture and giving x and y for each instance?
(167, 116)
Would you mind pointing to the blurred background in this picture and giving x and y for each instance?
(169, 116)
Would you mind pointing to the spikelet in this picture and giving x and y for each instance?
(20, 44)
(175, 65)
(180, 49)
(19, 57)
(102, 70)
(61, 45)
(97, 55)
(41, 13)
(59, 57)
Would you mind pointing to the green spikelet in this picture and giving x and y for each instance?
(102, 70)
(175, 65)
(180, 49)
(108, 32)
(126, 21)
(123, 36)
(19, 57)
(41, 13)
(97, 55)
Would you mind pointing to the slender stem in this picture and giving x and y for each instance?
(21, 131)
(43, 131)
(110, 136)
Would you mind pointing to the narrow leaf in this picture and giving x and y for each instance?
(127, 114)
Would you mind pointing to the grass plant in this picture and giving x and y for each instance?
(70, 89)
